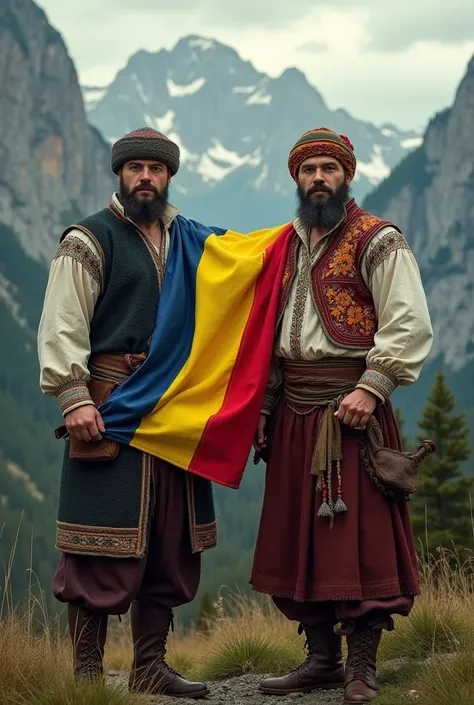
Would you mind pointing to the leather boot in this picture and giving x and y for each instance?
(323, 667)
(88, 630)
(150, 673)
(362, 645)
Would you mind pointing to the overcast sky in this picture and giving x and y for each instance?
(397, 62)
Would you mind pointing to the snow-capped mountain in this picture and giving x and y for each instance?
(235, 125)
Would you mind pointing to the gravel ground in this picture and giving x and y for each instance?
(239, 691)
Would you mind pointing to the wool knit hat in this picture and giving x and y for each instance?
(322, 141)
(145, 143)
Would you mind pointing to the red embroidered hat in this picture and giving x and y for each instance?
(319, 142)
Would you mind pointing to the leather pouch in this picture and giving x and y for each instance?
(394, 470)
(93, 451)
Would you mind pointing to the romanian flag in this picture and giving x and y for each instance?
(196, 400)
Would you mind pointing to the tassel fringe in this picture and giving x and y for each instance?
(324, 510)
(339, 507)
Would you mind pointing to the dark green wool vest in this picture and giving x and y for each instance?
(105, 507)
(125, 312)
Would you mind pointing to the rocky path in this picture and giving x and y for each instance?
(240, 691)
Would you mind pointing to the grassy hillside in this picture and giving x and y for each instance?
(428, 658)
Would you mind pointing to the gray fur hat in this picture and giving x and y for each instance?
(145, 143)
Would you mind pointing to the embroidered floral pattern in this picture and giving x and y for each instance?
(347, 312)
(343, 261)
(343, 299)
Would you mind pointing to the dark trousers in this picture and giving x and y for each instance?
(169, 573)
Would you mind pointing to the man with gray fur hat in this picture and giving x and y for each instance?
(143, 549)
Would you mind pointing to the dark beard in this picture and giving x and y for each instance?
(143, 211)
(325, 214)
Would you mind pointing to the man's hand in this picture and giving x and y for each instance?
(259, 442)
(356, 409)
(85, 423)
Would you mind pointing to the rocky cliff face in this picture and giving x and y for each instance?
(54, 167)
(431, 197)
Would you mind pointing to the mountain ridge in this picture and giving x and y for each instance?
(218, 107)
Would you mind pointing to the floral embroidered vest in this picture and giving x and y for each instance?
(344, 302)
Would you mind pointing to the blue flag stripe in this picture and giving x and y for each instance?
(172, 338)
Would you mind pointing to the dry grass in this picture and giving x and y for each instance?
(72, 693)
(435, 646)
(29, 661)
(449, 682)
(248, 635)
(442, 620)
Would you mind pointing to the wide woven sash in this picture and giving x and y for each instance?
(322, 384)
(116, 367)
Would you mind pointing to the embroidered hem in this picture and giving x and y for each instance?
(95, 541)
(337, 592)
(73, 395)
(206, 535)
(203, 536)
(111, 542)
(378, 381)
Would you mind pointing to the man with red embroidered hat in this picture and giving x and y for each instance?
(131, 527)
(335, 552)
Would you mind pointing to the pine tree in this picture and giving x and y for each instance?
(441, 509)
(205, 613)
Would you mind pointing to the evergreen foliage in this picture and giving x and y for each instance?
(441, 509)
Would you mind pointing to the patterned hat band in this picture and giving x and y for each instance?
(322, 142)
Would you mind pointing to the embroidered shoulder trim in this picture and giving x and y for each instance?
(76, 249)
(382, 249)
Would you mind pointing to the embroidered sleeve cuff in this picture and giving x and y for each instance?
(269, 401)
(73, 395)
(378, 381)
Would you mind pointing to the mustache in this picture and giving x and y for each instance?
(145, 187)
(315, 189)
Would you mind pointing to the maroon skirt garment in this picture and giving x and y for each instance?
(369, 552)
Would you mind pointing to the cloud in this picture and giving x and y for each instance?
(391, 26)
(382, 63)
(263, 13)
(314, 46)
(404, 24)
